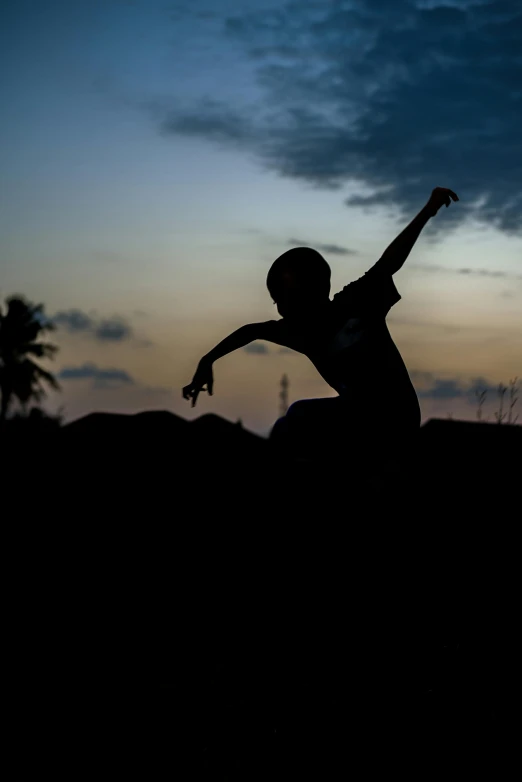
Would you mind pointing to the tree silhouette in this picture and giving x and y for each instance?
(21, 378)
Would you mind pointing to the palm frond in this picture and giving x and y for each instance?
(20, 327)
(42, 374)
(39, 349)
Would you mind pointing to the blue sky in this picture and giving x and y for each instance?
(156, 158)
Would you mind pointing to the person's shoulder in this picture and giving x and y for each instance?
(269, 328)
(374, 291)
(345, 293)
(357, 284)
(279, 332)
(373, 279)
(271, 324)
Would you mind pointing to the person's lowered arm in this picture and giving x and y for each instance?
(238, 339)
(395, 255)
(204, 375)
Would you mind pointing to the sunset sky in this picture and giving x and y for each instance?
(157, 157)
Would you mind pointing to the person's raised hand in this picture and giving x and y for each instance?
(440, 196)
(203, 377)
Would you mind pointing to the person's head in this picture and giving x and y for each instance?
(298, 281)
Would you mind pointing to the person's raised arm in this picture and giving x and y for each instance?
(394, 256)
(204, 375)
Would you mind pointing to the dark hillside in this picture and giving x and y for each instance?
(201, 608)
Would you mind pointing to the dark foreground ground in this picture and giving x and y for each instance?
(241, 620)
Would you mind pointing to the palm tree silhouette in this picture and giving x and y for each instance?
(22, 378)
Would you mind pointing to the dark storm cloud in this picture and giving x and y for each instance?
(101, 377)
(332, 249)
(429, 386)
(256, 347)
(213, 121)
(114, 329)
(396, 98)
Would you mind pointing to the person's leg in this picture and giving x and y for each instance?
(310, 427)
(329, 430)
(393, 457)
(279, 438)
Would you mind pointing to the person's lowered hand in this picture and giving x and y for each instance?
(203, 377)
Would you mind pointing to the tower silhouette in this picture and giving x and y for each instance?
(283, 396)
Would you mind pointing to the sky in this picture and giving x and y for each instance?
(157, 157)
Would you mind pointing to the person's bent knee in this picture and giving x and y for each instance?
(279, 429)
(297, 409)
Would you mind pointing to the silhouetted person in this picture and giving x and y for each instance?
(376, 414)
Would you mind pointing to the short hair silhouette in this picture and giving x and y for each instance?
(308, 266)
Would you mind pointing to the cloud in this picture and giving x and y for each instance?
(260, 349)
(102, 377)
(113, 329)
(428, 386)
(333, 249)
(416, 323)
(435, 267)
(74, 320)
(256, 347)
(482, 272)
(442, 389)
(391, 98)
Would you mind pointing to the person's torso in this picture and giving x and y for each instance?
(356, 355)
